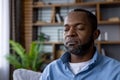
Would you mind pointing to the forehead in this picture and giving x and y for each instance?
(76, 17)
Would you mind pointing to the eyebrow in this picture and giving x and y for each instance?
(75, 24)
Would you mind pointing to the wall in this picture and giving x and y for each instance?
(4, 39)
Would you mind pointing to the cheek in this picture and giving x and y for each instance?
(83, 36)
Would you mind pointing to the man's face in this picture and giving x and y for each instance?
(77, 33)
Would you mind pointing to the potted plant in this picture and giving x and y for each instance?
(29, 60)
(35, 59)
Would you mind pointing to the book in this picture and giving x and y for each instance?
(59, 18)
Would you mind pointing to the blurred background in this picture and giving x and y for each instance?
(31, 31)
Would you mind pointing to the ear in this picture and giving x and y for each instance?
(96, 34)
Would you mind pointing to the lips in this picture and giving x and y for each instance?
(71, 42)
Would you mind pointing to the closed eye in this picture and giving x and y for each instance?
(66, 28)
(80, 26)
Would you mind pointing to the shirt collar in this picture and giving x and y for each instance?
(66, 57)
(95, 58)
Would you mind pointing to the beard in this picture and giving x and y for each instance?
(81, 49)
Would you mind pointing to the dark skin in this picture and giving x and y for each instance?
(77, 31)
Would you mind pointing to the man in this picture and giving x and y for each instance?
(81, 61)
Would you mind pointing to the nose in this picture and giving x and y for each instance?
(71, 32)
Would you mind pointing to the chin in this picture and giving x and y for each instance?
(78, 51)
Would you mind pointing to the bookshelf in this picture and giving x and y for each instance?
(41, 17)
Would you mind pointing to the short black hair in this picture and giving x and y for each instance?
(92, 18)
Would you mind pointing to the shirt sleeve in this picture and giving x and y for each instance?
(46, 74)
(44, 77)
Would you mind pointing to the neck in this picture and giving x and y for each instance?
(86, 57)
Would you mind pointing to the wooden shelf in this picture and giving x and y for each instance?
(110, 2)
(40, 23)
(38, 4)
(109, 22)
(108, 42)
(92, 4)
(34, 9)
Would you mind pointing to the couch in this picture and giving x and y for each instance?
(24, 74)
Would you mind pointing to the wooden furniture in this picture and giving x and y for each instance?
(36, 12)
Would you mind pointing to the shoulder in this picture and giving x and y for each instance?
(53, 65)
(111, 63)
(113, 66)
(51, 69)
(105, 61)
(108, 67)
(111, 60)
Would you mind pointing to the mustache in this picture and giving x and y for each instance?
(70, 40)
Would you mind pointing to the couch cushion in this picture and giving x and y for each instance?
(24, 74)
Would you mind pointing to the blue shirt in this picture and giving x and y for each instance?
(100, 68)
